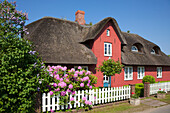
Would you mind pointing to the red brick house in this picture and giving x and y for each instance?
(67, 43)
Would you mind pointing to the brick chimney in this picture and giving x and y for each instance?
(80, 17)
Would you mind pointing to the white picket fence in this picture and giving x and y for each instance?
(154, 88)
(96, 96)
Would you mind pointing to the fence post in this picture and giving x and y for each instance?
(38, 101)
(146, 89)
(132, 89)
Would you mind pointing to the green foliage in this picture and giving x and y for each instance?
(148, 78)
(20, 67)
(169, 55)
(161, 92)
(110, 67)
(135, 96)
(91, 23)
(139, 89)
(128, 31)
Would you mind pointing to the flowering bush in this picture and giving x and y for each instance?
(66, 82)
(161, 91)
(134, 95)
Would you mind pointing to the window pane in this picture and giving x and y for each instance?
(105, 48)
(109, 49)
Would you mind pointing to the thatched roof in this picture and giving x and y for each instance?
(57, 41)
(61, 41)
(144, 57)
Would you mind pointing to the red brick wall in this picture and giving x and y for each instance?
(149, 70)
(98, 49)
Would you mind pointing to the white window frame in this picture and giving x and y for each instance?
(129, 75)
(108, 32)
(105, 79)
(159, 72)
(141, 72)
(83, 67)
(107, 49)
(152, 51)
(134, 48)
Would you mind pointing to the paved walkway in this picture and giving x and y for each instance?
(163, 109)
(155, 103)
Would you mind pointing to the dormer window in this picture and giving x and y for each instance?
(152, 51)
(108, 32)
(134, 48)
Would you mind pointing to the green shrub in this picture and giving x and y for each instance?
(20, 67)
(148, 78)
(139, 91)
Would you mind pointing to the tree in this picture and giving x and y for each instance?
(20, 67)
(110, 67)
(128, 31)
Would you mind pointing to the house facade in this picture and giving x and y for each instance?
(67, 43)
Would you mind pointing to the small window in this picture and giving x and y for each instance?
(128, 75)
(83, 67)
(106, 79)
(107, 49)
(141, 72)
(152, 51)
(134, 48)
(108, 32)
(159, 72)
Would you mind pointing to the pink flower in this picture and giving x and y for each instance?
(82, 85)
(61, 79)
(89, 81)
(62, 84)
(75, 75)
(86, 102)
(72, 70)
(94, 97)
(76, 72)
(81, 72)
(73, 93)
(85, 78)
(90, 103)
(84, 98)
(90, 87)
(67, 80)
(51, 93)
(64, 68)
(57, 77)
(88, 84)
(52, 111)
(65, 75)
(58, 89)
(72, 99)
(68, 90)
(54, 84)
(79, 67)
(63, 93)
(70, 86)
(88, 73)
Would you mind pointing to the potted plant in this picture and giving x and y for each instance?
(135, 100)
(161, 94)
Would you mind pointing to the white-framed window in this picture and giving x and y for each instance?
(134, 48)
(159, 72)
(152, 51)
(108, 32)
(106, 79)
(128, 75)
(141, 72)
(83, 67)
(107, 49)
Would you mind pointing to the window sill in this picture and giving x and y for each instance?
(140, 78)
(108, 55)
(159, 77)
(128, 79)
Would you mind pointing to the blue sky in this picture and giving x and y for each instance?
(147, 18)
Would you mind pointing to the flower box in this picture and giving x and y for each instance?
(135, 101)
(161, 95)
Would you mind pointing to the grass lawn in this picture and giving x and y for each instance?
(126, 107)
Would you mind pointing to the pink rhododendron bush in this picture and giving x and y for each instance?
(66, 82)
